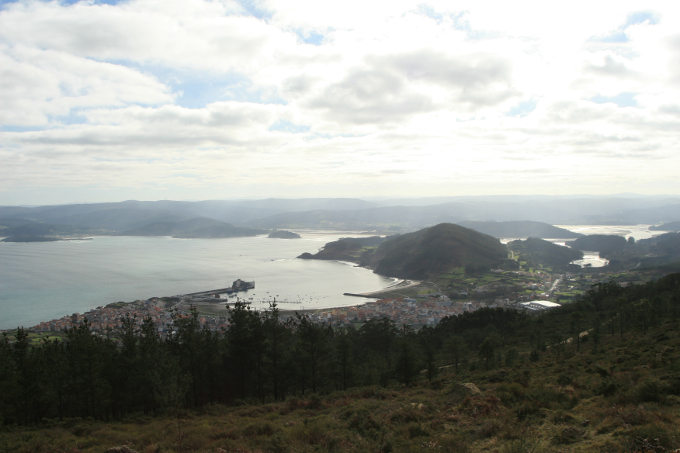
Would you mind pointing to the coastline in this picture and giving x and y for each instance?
(389, 290)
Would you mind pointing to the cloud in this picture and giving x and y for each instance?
(438, 98)
(40, 84)
(369, 96)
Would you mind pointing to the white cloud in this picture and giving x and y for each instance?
(385, 97)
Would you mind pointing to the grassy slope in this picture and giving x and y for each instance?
(622, 397)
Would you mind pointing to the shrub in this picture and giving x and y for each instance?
(510, 393)
(606, 388)
(651, 438)
(258, 429)
(362, 422)
(569, 435)
(564, 379)
(648, 391)
(416, 430)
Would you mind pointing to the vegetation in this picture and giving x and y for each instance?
(603, 243)
(540, 253)
(600, 374)
(427, 252)
(200, 227)
(283, 234)
(357, 250)
(656, 251)
(437, 249)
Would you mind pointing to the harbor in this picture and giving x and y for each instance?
(214, 295)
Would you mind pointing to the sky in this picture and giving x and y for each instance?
(221, 99)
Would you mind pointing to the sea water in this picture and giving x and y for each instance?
(40, 281)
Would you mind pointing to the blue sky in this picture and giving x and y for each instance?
(198, 99)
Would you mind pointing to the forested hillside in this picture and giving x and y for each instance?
(600, 374)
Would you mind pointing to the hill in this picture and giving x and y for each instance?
(420, 254)
(600, 374)
(603, 243)
(659, 250)
(539, 253)
(24, 230)
(283, 234)
(520, 229)
(389, 216)
(436, 250)
(192, 228)
(410, 214)
(356, 250)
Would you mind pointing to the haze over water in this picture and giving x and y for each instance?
(45, 280)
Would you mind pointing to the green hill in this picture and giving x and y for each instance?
(603, 243)
(537, 252)
(436, 250)
(356, 250)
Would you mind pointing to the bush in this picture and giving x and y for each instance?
(648, 391)
(416, 430)
(651, 438)
(510, 393)
(564, 379)
(606, 388)
(569, 435)
(362, 422)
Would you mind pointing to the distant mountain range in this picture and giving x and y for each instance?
(520, 229)
(497, 216)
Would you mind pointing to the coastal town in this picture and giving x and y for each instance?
(416, 310)
(163, 311)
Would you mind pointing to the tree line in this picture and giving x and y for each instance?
(263, 357)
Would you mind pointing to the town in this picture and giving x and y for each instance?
(426, 305)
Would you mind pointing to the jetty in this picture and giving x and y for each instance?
(237, 286)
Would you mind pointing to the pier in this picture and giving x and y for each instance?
(212, 294)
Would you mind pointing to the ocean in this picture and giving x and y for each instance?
(40, 281)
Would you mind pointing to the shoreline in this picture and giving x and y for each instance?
(378, 294)
(182, 303)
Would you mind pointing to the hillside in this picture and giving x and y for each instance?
(520, 229)
(436, 250)
(23, 230)
(356, 250)
(603, 243)
(655, 251)
(539, 253)
(192, 228)
(420, 254)
(131, 214)
(283, 234)
(387, 216)
(600, 374)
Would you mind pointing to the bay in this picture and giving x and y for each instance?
(40, 281)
